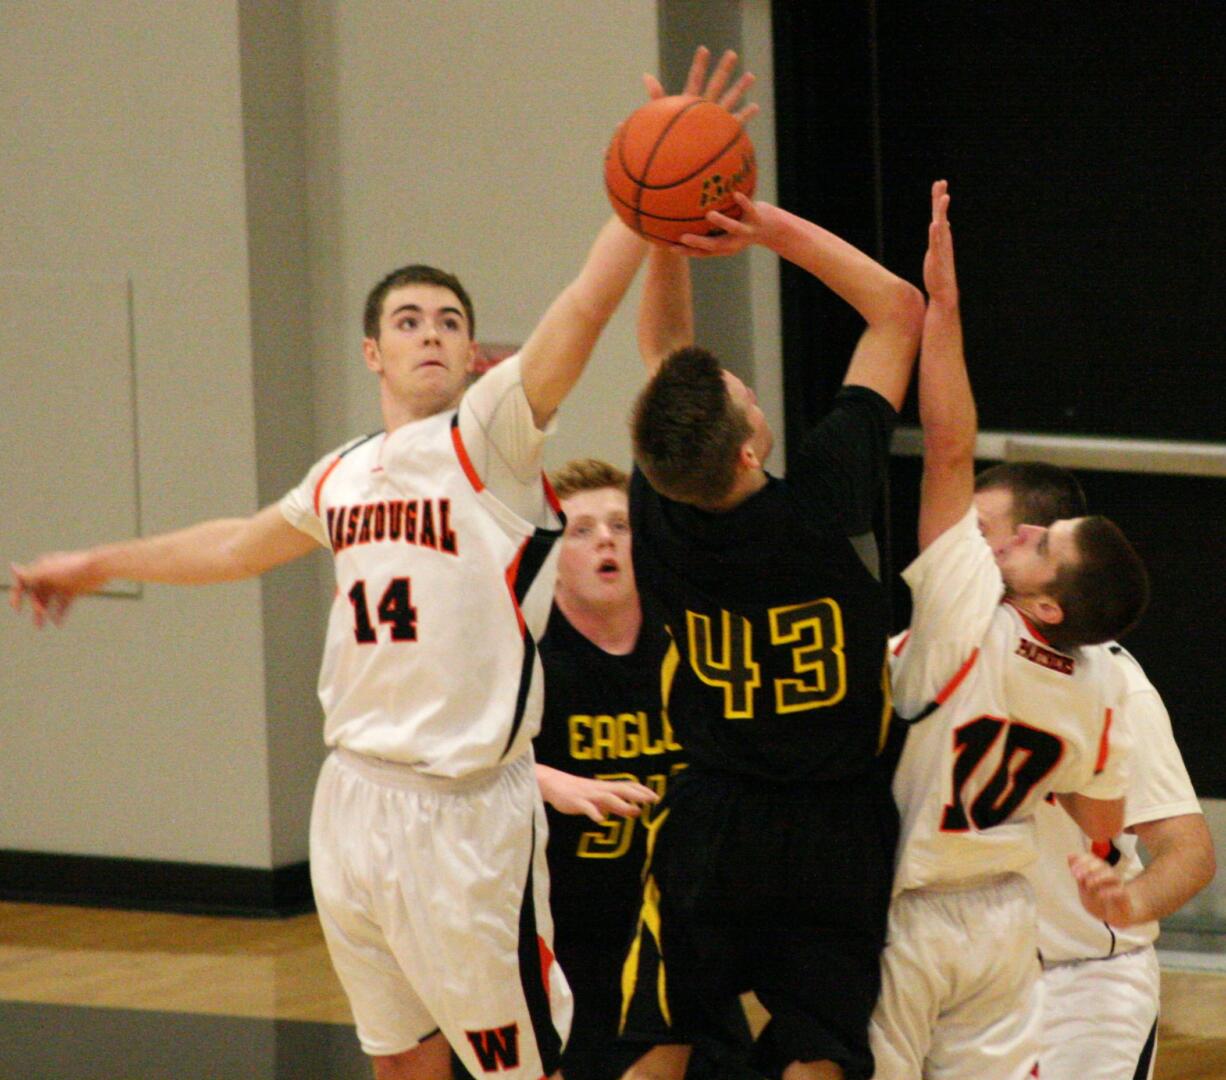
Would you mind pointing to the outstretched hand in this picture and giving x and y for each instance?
(940, 280)
(717, 88)
(598, 799)
(735, 234)
(52, 583)
(1104, 894)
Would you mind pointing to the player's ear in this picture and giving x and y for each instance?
(747, 458)
(1048, 609)
(372, 356)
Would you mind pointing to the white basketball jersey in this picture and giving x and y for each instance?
(1006, 719)
(441, 594)
(1158, 787)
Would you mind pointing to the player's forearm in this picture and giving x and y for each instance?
(552, 784)
(198, 555)
(949, 423)
(666, 311)
(946, 404)
(879, 296)
(554, 356)
(1181, 864)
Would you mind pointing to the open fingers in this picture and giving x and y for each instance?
(655, 88)
(940, 201)
(729, 100)
(720, 76)
(747, 113)
(698, 71)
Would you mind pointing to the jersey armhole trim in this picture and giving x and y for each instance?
(319, 487)
(551, 496)
(457, 440)
(1104, 745)
(948, 689)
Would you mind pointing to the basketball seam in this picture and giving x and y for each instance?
(705, 165)
(647, 214)
(651, 154)
(641, 217)
(639, 187)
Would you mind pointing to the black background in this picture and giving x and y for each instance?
(1083, 145)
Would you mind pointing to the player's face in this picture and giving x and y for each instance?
(1034, 557)
(594, 567)
(761, 438)
(995, 509)
(425, 351)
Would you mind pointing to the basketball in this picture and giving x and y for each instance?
(673, 160)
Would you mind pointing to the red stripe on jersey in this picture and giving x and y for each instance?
(956, 681)
(1101, 848)
(551, 496)
(1104, 744)
(465, 461)
(902, 642)
(511, 575)
(320, 486)
(546, 960)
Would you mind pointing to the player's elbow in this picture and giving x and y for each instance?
(903, 309)
(1099, 819)
(1206, 866)
(1200, 845)
(949, 445)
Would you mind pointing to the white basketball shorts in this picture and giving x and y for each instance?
(433, 896)
(1100, 1018)
(960, 986)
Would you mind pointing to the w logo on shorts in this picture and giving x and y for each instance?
(496, 1048)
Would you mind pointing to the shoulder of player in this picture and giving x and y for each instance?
(485, 392)
(961, 550)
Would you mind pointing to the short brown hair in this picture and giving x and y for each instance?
(686, 430)
(587, 474)
(1042, 493)
(417, 274)
(1104, 592)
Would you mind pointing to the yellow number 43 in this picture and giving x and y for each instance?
(723, 656)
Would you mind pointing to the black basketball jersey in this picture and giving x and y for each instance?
(780, 629)
(602, 720)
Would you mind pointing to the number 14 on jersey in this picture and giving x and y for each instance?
(394, 610)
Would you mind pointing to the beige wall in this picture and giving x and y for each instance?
(124, 160)
(243, 172)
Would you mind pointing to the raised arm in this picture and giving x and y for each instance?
(892, 308)
(224, 549)
(666, 310)
(946, 404)
(556, 352)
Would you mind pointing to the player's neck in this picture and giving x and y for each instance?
(397, 411)
(747, 483)
(1030, 612)
(614, 628)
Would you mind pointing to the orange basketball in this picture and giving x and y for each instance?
(672, 161)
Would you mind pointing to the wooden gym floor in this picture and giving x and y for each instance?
(89, 994)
